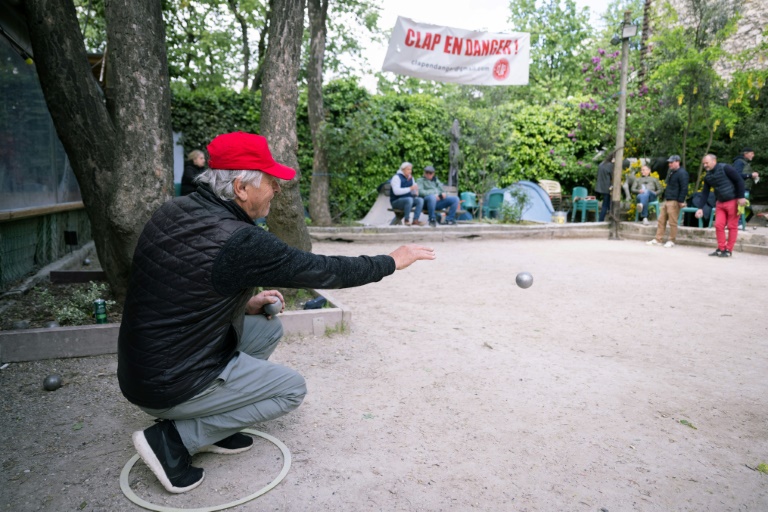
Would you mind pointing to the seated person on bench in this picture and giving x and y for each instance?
(647, 189)
(435, 197)
(404, 195)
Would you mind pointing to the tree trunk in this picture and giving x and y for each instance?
(121, 149)
(262, 46)
(280, 94)
(701, 163)
(688, 125)
(621, 124)
(454, 155)
(644, 40)
(319, 208)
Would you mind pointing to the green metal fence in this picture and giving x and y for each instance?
(30, 243)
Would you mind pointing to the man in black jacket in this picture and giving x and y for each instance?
(729, 190)
(194, 341)
(674, 199)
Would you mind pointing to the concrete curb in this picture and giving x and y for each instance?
(751, 241)
(93, 340)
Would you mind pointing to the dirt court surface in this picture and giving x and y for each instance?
(627, 377)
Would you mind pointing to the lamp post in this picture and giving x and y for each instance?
(627, 30)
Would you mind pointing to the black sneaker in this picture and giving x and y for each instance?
(725, 254)
(161, 449)
(451, 222)
(432, 223)
(236, 443)
(718, 252)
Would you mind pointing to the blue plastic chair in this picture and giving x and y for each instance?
(688, 209)
(468, 201)
(580, 204)
(495, 200)
(654, 204)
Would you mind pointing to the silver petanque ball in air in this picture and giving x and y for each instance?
(524, 279)
(52, 382)
(274, 308)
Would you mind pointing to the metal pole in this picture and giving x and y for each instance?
(622, 123)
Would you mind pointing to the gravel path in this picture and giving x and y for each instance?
(626, 378)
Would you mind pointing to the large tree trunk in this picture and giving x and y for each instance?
(121, 149)
(319, 208)
(280, 95)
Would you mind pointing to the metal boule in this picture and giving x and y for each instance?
(273, 308)
(52, 382)
(524, 280)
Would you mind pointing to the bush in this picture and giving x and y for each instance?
(77, 308)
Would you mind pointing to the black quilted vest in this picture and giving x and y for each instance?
(178, 332)
(724, 188)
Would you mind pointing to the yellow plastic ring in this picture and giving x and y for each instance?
(160, 508)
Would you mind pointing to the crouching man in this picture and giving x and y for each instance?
(194, 344)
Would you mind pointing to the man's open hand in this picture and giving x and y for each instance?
(405, 255)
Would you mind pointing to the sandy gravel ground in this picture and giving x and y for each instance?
(457, 390)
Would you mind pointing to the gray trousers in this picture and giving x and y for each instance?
(249, 390)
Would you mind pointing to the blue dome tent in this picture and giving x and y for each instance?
(539, 208)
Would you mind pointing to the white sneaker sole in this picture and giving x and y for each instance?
(212, 448)
(153, 463)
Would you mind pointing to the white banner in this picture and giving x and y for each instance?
(454, 55)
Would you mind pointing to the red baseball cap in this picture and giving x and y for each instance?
(240, 151)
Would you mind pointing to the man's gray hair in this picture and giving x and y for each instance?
(405, 164)
(222, 182)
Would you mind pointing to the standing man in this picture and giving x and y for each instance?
(674, 199)
(729, 191)
(604, 181)
(195, 340)
(742, 164)
(647, 189)
(435, 197)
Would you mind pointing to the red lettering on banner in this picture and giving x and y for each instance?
(427, 41)
(477, 48)
(409, 37)
(453, 45)
(516, 40)
(435, 41)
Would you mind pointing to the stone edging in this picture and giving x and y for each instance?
(93, 340)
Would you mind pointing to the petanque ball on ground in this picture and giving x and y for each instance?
(87, 261)
(524, 280)
(52, 382)
(274, 308)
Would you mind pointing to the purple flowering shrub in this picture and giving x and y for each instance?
(598, 109)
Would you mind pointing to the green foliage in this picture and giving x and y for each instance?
(76, 308)
(559, 32)
(512, 212)
(518, 141)
(93, 24)
(202, 114)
